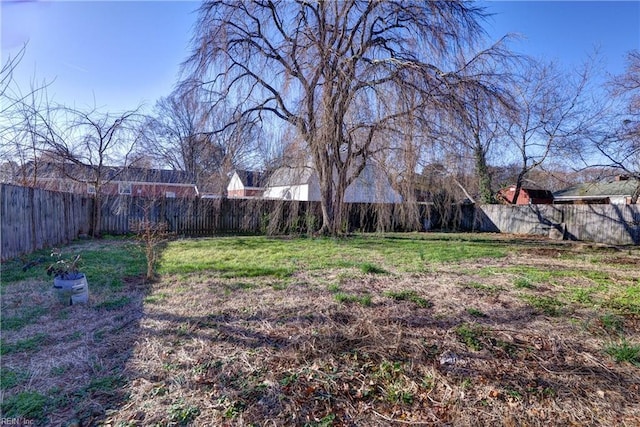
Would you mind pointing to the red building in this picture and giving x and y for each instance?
(133, 181)
(527, 196)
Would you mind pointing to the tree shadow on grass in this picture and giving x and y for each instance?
(297, 364)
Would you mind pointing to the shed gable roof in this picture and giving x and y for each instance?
(255, 179)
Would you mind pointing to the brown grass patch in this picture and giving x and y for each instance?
(83, 346)
(295, 356)
(200, 349)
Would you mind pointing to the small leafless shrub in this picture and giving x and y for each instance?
(152, 234)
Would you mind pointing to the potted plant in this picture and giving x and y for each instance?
(69, 284)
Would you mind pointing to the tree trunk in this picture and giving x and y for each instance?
(327, 216)
(96, 218)
(326, 204)
(519, 181)
(486, 193)
(97, 209)
(332, 204)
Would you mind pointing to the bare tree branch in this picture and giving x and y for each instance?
(333, 71)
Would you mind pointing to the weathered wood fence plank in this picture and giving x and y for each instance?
(33, 219)
(611, 224)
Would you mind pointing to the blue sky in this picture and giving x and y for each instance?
(117, 55)
(121, 54)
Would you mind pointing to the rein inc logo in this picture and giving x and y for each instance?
(16, 421)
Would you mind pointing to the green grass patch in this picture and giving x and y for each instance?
(253, 256)
(530, 275)
(470, 335)
(581, 295)
(11, 271)
(32, 344)
(369, 268)
(115, 303)
(612, 323)
(625, 352)
(482, 288)
(548, 305)
(183, 414)
(105, 268)
(26, 317)
(475, 312)
(156, 298)
(26, 405)
(105, 262)
(408, 295)
(333, 288)
(523, 283)
(625, 301)
(10, 378)
(326, 421)
(364, 300)
(107, 384)
(393, 382)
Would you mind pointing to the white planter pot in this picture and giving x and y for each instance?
(72, 290)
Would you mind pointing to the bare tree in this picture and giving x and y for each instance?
(333, 70)
(470, 126)
(6, 79)
(101, 142)
(620, 145)
(88, 147)
(473, 126)
(627, 88)
(553, 113)
(18, 147)
(180, 135)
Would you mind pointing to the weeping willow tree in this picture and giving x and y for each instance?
(334, 71)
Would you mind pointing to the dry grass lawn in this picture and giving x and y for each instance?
(371, 331)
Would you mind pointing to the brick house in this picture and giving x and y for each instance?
(133, 181)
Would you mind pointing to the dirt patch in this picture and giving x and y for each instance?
(544, 252)
(624, 260)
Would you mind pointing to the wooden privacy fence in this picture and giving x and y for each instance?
(610, 224)
(205, 217)
(33, 219)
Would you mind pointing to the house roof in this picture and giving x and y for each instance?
(156, 175)
(600, 189)
(532, 191)
(111, 173)
(285, 176)
(538, 193)
(255, 179)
